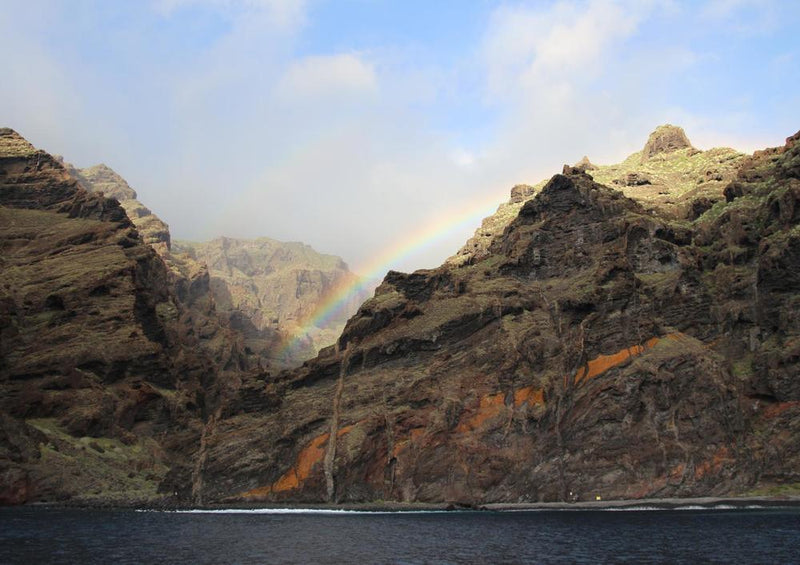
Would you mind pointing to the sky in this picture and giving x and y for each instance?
(382, 131)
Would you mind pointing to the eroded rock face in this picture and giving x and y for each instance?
(269, 288)
(668, 175)
(102, 179)
(597, 348)
(600, 344)
(107, 375)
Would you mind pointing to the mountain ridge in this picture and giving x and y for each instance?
(599, 347)
(274, 337)
(110, 364)
(632, 339)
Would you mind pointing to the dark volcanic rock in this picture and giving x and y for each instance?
(595, 346)
(107, 376)
(521, 192)
(595, 349)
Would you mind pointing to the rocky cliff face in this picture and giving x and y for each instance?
(621, 339)
(668, 175)
(598, 345)
(110, 368)
(102, 179)
(268, 289)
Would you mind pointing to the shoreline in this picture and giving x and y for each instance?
(696, 503)
(709, 502)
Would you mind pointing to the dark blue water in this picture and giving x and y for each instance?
(38, 535)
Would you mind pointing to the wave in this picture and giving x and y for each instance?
(314, 511)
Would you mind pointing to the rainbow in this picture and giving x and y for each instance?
(333, 304)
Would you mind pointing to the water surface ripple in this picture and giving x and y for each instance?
(41, 535)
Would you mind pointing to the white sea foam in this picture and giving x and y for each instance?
(687, 507)
(314, 511)
(632, 508)
(351, 512)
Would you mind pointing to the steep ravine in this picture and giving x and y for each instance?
(269, 290)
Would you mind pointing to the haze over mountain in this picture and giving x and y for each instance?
(268, 290)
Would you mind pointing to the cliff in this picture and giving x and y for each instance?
(599, 344)
(110, 367)
(268, 289)
(630, 338)
(265, 289)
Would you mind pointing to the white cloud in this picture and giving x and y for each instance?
(261, 127)
(527, 47)
(327, 75)
(565, 83)
(462, 158)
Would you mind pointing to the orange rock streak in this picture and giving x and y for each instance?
(603, 363)
(531, 396)
(491, 405)
(310, 456)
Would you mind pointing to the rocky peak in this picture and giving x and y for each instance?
(521, 192)
(13, 144)
(584, 164)
(665, 139)
(562, 193)
(104, 179)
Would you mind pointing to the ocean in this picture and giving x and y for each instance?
(32, 535)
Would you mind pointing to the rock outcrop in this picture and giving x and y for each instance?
(668, 175)
(108, 376)
(598, 347)
(665, 139)
(104, 180)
